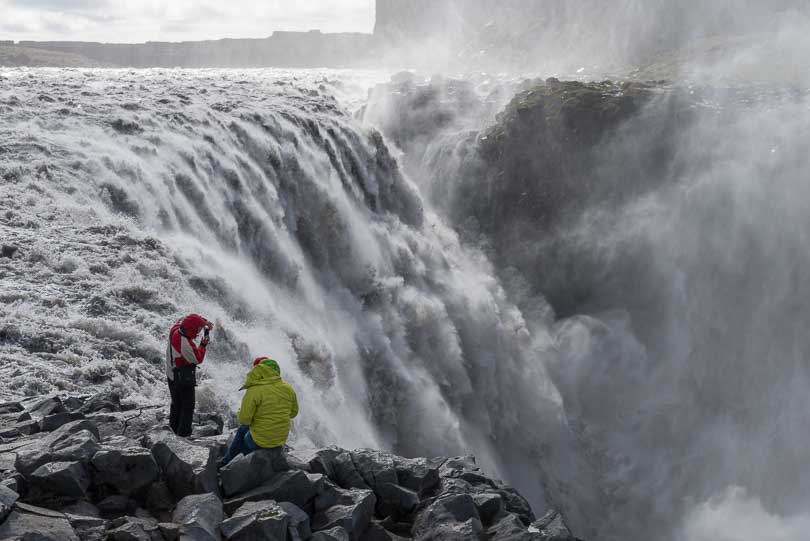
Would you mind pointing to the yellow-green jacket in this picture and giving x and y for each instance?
(268, 405)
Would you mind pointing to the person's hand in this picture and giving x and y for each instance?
(209, 325)
(204, 341)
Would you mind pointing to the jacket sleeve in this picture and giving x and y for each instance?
(294, 408)
(191, 353)
(248, 409)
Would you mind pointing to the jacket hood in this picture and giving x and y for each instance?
(192, 324)
(262, 374)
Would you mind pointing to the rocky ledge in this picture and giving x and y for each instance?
(87, 468)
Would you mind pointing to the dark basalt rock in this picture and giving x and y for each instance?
(247, 472)
(449, 517)
(53, 421)
(333, 534)
(511, 528)
(257, 520)
(73, 442)
(8, 498)
(60, 480)
(292, 486)
(199, 517)
(552, 528)
(30, 522)
(134, 529)
(127, 470)
(298, 527)
(353, 512)
(188, 468)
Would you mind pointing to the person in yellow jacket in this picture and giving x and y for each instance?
(267, 408)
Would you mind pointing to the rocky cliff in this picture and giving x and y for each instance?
(91, 468)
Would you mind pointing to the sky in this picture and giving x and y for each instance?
(127, 21)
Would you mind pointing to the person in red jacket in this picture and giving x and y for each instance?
(182, 358)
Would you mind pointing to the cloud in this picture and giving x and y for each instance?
(153, 20)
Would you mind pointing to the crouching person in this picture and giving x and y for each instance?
(267, 408)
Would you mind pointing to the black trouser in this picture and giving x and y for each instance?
(181, 413)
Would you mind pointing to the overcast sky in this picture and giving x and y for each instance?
(176, 20)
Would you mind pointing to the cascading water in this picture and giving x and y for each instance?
(253, 198)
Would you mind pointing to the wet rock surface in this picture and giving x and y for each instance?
(85, 484)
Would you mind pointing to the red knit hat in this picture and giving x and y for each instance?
(192, 324)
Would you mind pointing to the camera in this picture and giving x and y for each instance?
(207, 332)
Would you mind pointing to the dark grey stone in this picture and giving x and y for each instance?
(199, 517)
(134, 529)
(255, 521)
(51, 422)
(449, 518)
(127, 471)
(117, 505)
(353, 512)
(82, 508)
(34, 523)
(247, 472)
(159, 498)
(291, 486)
(298, 527)
(395, 500)
(376, 532)
(345, 473)
(489, 504)
(61, 479)
(76, 441)
(509, 528)
(46, 406)
(333, 534)
(418, 474)
(187, 468)
(321, 460)
(170, 531)
(102, 402)
(11, 407)
(552, 527)
(8, 498)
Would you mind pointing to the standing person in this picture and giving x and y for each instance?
(267, 408)
(182, 358)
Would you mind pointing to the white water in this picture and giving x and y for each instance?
(254, 199)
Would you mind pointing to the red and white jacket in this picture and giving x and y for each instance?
(182, 351)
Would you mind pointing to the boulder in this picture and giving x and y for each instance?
(127, 471)
(9, 433)
(290, 486)
(102, 402)
(328, 495)
(376, 532)
(117, 505)
(257, 520)
(88, 528)
(345, 473)
(61, 480)
(134, 529)
(333, 534)
(28, 427)
(298, 528)
(76, 441)
(28, 522)
(513, 502)
(45, 407)
(11, 407)
(49, 423)
(82, 508)
(449, 518)
(246, 472)
(418, 474)
(7, 500)
(511, 527)
(552, 527)
(322, 460)
(375, 467)
(395, 500)
(353, 512)
(170, 531)
(199, 517)
(159, 498)
(187, 468)
(489, 504)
